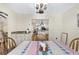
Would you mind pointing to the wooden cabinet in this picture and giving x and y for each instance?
(40, 37)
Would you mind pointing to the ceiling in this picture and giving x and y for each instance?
(60, 7)
(24, 8)
(29, 8)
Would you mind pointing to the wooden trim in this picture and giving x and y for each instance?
(19, 32)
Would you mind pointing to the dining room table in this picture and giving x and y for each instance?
(32, 48)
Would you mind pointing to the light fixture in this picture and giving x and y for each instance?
(40, 8)
(3, 14)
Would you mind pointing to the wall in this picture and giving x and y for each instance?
(9, 19)
(70, 23)
(58, 22)
(22, 22)
(16, 22)
(55, 26)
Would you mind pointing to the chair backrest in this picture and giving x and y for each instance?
(6, 43)
(64, 38)
(10, 43)
(74, 44)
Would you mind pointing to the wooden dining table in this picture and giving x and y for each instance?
(31, 48)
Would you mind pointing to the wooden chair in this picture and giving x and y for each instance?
(6, 43)
(10, 44)
(74, 44)
(64, 38)
(34, 37)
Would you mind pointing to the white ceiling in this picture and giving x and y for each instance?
(21, 7)
(29, 8)
(60, 7)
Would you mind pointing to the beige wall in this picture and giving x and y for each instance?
(10, 19)
(70, 23)
(64, 22)
(16, 22)
(22, 21)
(58, 23)
(55, 26)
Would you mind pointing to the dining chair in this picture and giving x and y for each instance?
(10, 44)
(74, 44)
(64, 38)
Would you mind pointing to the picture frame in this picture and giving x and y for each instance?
(78, 20)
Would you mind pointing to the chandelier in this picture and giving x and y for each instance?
(40, 8)
(3, 14)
